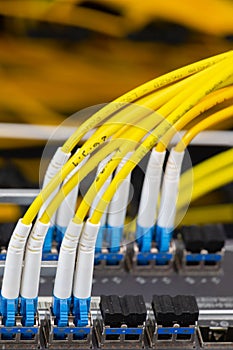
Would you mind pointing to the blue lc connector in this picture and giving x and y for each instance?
(81, 309)
(28, 307)
(163, 238)
(8, 308)
(100, 238)
(47, 247)
(114, 236)
(144, 237)
(60, 233)
(61, 309)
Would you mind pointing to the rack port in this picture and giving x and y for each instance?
(216, 333)
(69, 337)
(121, 322)
(150, 263)
(173, 321)
(106, 262)
(19, 336)
(202, 251)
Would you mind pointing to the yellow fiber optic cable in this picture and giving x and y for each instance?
(172, 104)
(135, 134)
(210, 101)
(226, 172)
(99, 137)
(128, 139)
(214, 119)
(208, 214)
(79, 176)
(207, 184)
(165, 94)
(138, 92)
(89, 197)
(149, 101)
(206, 167)
(144, 89)
(214, 75)
(197, 82)
(210, 86)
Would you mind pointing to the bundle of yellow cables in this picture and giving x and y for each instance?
(170, 102)
(124, 131)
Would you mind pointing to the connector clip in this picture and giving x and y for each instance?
(80, 311)
(61, 309)
(28, 309)
(8, 309)
(48, 240)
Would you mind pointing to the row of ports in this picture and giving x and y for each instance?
(97, 336)
(197, 250)
(130, 259)
(123, 326)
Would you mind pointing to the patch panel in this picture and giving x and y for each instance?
(195, 262)
(152, 262)
(126, 323)
(202, 250)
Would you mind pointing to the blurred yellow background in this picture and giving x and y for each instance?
(58, 56)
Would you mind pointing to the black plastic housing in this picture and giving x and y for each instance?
(181, 309)
(192, 238)
(129, 310)
(208, 237)
(214, 237)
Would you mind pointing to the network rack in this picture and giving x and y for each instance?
(213, 329)
(80, 271)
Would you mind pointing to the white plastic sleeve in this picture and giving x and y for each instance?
(67, 208)
(32, 261)
(85, 261)
(102, 190)
(151, 189)
(118, 205)
(170, 187)
(14, 261)
(57, 162)
(66, 261)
